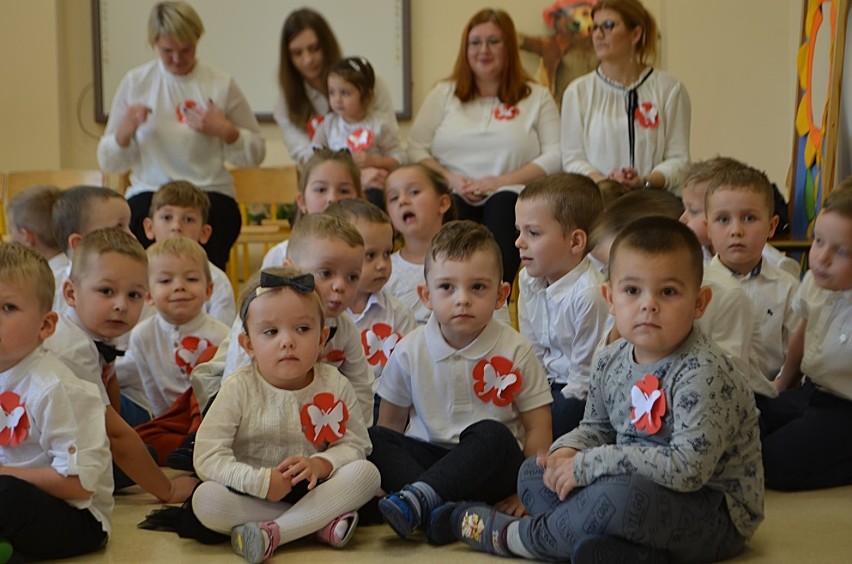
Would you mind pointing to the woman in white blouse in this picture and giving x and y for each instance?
(177, 118)
(308, 51)
(488, 129)
(626, 120)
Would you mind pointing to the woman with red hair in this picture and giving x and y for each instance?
(488, 129)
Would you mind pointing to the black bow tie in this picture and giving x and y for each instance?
(108, 352)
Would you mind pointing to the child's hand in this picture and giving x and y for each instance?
(512, 505)
(299, 468)
(372, 177)
(182, 488)
(559, 471)
(279, 485)
(362, 159)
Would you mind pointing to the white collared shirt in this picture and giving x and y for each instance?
(221, 304)
(447, 389)
(383, 323)
(564, 321)
(828, 336)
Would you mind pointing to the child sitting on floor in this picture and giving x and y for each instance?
(165, 348)
(282, 449)
(464, 397)
(666, 463)
(56, 484)
(29, 217)
(560, 307)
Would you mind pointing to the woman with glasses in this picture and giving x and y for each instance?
(488, 129)
(626, 120)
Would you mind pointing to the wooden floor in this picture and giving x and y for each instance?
(799, 527)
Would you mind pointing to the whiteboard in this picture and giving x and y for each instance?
(243, 39)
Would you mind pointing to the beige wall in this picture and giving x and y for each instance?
(737, 59)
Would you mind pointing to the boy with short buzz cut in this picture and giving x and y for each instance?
(808, 440)
(666, 464)
(104, 293)
(165, 348)
(472, 388)
(332, 250)
(77, 212)
(740, 204)
(29, 216)
(560, 307)
(378, 315)
(695, 183)
(55, 480)
(179, 208)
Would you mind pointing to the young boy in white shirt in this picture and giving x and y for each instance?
(666, 464)
(560, 306)
(29, 218)
(77, 212)
(378, 315)
(464, 397)
(55, 479)
(332, 250)
(181, 209)
(165, 348)
(740, 219)
(104, 294)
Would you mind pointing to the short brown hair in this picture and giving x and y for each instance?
(574, 199)
(249, 292)
(353, 210)
(182, 247)
(839, 201)
(102, 241)
(320, 226)
(630, 207)
(738, 176)
(182, 194)
(32, 210)
(656, 235)
(175, 20)
(71, 210)
(513, 84)
(635, 15)
(22, 265)
(459, 240)
(707, 170)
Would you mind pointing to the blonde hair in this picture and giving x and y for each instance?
(320, 226)
(630, 207)
(72, 210)
(181, 247)
(839, 201)
(323, 155)
(249, 291)
(175, 20)
(21, 265)
(32, 210)
(182, 194)
(102, 241)
(353, 210)
(635, 15)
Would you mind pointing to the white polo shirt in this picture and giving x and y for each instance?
(382, 324)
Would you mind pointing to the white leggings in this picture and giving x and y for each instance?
(351, 486)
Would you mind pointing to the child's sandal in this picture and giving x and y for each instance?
(331, 533)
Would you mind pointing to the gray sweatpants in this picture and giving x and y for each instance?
(692, 527)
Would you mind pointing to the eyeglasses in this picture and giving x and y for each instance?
(492, 42)
(605, 26)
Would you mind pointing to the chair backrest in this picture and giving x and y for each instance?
(270, 185)
(18, 181)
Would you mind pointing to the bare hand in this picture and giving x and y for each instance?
(279, 485)
(372, 177)
(627, 176)
(558, 471)
(182, 488)
(458, 183)
(211, 121)
(135, 116)
(363, 159)
(512, 505)
(299, 468)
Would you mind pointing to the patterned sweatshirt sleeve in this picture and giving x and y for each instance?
(698, 436)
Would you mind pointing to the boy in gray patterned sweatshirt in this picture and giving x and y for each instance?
(666, 465)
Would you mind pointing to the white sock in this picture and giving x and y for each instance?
(513, 541)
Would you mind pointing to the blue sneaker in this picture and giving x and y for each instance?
(398, 514)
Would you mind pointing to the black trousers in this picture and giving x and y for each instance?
(41, 526)
(482, 467)
(224, 217)
(498, 215)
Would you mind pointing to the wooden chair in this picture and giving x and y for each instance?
(271, 186)
(19, 181)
